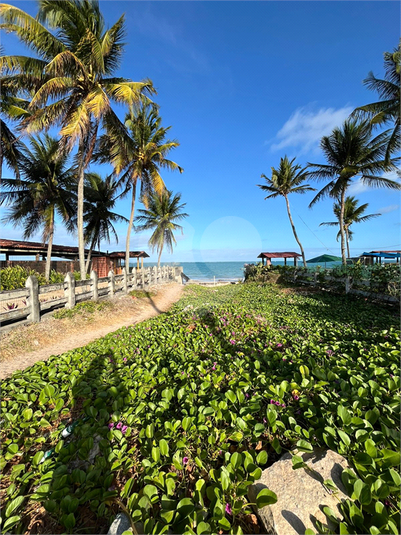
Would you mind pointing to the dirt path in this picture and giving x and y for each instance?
(24, 346)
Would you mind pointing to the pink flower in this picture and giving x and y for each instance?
(124, 429)
(111, 425)
(125, 359)
(185, 460)
(119, 425)
(229, 511)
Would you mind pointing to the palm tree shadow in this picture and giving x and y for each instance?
(83, 481)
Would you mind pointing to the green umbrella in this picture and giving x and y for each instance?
(323, 259)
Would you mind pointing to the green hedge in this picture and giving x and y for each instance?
(12, 278)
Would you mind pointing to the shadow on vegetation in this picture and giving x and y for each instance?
(83, 484)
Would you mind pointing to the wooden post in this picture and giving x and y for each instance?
(125, 281)
(137, 262)
(69, 292)
(295, 261)
(33, 299)
(95, 289)
(347, 284)
(143, 278)
(112, 283)
(285, 261)
(142, 262)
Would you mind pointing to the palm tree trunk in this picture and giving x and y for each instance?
(88, 260)
(80, 218)
(158, 260)
(294, 231)
(347, 236)
(49, 247)
(131, 222)
(342, 226)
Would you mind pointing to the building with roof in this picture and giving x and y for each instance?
(380, 256)
(269, 256)
(101, 262)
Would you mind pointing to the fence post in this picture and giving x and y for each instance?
(347, 284)
(95, 289)
(33, 299)
(315, 279)
(112, 283)
(134, 283)
(69, 292)
(143, 278)
(295, 276)
(125, 281)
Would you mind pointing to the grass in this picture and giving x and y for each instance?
(186, 410)
(87, 307)
(140, 294)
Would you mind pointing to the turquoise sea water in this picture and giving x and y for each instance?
(207, 271)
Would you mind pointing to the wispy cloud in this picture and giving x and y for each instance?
(358, 186)
(388, 209)
(304, 129)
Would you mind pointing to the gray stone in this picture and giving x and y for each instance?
(301, 494)
(121, 523)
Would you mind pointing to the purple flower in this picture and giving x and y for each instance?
(329, 352)
(185, 460)
(111, 425)
(124, 429)
(229, 511)
(125, 359)
(247, 395)
(284, 358)
(232, 342)
(272, 402)
(213, 367)
(296, 398)
(277, 403)
(283, 405)
(264, 421)
(279, 345)
(119, 425)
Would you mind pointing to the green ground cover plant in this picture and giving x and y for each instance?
(86, 307)
(171, 420)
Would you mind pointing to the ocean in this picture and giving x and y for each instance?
(224, 271)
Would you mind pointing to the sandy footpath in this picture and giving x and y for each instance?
(26, 345)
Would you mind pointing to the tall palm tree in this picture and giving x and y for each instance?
(10, 149)
(352, 214)
(139, 154)
(72, 79)
(161, 215)
(351, 152)
(387, 109)
(100, 199)
(288, 178)
(46, 188)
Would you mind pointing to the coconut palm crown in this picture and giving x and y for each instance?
(288, 178)
(351, 153)
(71, 83)
(388, 108)
(139, 154)
(352, 214)
(161, 215)
(46, 187)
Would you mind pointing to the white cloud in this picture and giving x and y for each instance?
(388, 209)
(358, 186)
(305, 128)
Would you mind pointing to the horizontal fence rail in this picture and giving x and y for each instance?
(26, 305)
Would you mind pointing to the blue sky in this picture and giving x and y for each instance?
(242, 84)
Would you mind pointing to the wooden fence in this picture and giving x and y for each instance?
(27, 305)
(364, 287)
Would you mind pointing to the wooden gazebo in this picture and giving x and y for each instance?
(269, 256)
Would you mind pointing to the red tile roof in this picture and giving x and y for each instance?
(278, 255)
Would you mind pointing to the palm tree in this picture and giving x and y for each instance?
(10, 149)
(139, 154)
(387, 109)
(288, 178)
(46, 188)
(72, 81)
(100, 199)
(352, 214)
(351, 152)
(161, 215)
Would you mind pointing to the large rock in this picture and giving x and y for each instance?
(301, 495)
